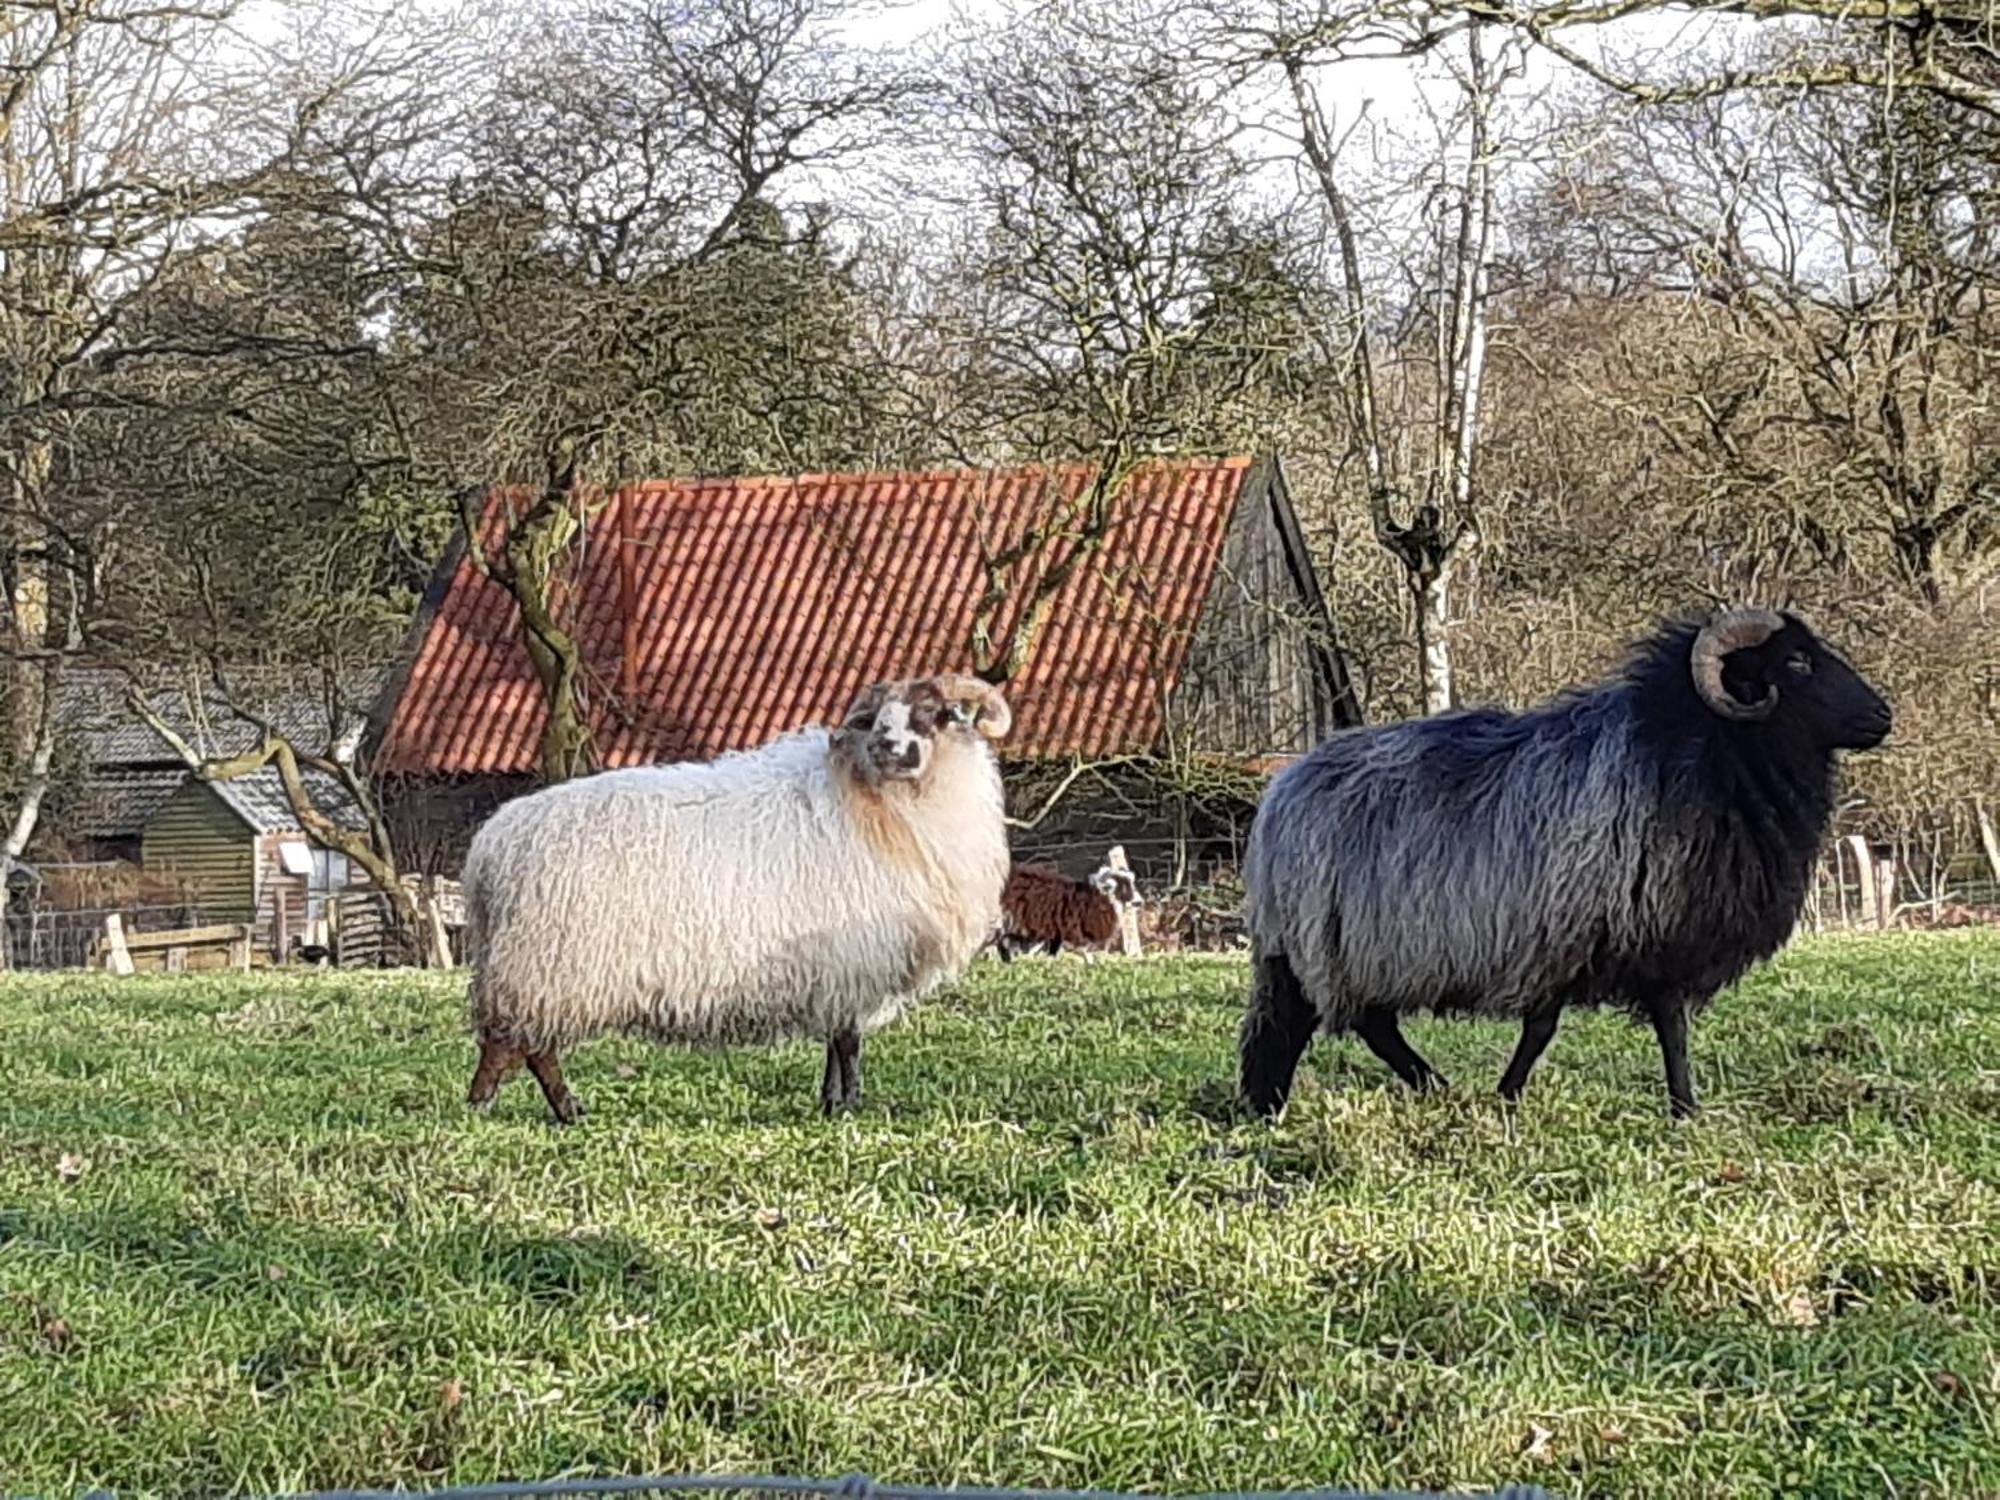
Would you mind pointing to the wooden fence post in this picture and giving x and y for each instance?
(440, 939)
(1865, 877)
(1989, 837)
(1128, 916)
(1885, 893)
(116, 957)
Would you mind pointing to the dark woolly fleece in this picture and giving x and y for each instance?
(1622, 844)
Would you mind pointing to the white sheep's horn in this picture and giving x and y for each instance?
(992, 717)
(1732, 631)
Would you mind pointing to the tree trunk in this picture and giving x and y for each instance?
(28, 602)
(532, 547)
(35, 786)
(371, 850)
(566, 749)
(1431, 597)
(1429, 545)
(998, 656)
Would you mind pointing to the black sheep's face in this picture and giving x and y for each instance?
(1814, 688)
(893, 730)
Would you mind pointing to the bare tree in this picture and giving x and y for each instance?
(1840, 256)
(132, 135)
(1121, 302)
(631, 281)
(1948, 51)
(1423, 495)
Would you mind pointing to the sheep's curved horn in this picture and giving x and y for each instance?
(1732, 631)
(992, 716)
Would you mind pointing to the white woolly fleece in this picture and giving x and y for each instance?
(763, 895)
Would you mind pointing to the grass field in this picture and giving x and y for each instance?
(249, 1238)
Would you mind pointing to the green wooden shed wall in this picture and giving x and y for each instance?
(197, 838)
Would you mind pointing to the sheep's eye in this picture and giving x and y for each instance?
(1800, 663)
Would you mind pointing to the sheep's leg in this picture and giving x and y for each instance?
(829, 1082)
(840, 1085)
(1537, 1031)
(1377, 1027)
(1277, 1029)
(850, 1067)
(567, 1108)
(1052, 947)
(1670, 1024)
(496, 1061)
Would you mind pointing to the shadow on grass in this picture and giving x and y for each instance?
(281, 1262)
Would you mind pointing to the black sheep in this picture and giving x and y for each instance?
(1040, 907)
(1641, 843)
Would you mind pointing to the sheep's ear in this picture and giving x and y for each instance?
(866, 705)
(859, 721)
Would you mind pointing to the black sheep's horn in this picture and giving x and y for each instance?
(1728, 632)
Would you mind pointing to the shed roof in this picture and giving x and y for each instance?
(758, 605)
(99, 721)
(116, 802)
(259, 800)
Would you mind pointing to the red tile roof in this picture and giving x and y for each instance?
(761, 605)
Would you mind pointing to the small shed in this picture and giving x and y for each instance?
(226, 851)
(237, 848)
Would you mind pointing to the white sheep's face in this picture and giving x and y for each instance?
(892, 732)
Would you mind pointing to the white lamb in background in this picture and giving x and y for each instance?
(813, 887)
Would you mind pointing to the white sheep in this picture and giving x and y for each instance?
(813, 887)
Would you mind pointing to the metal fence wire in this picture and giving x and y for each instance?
(856, 1487)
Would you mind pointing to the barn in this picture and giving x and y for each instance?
(713, 614)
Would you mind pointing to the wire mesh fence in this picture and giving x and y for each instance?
(40, 937)
(1188, 904)
(859, 1487)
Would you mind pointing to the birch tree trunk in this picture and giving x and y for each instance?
(1442, 524)
(1432, 597)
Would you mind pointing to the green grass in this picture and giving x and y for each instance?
(250, 1239)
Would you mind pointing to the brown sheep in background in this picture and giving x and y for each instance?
(1043, 908)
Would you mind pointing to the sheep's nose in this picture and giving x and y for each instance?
(910, 754)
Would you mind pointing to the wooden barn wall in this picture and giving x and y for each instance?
(198, 840)
(1248, 686)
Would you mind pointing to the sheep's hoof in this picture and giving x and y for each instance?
(569, 1111)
